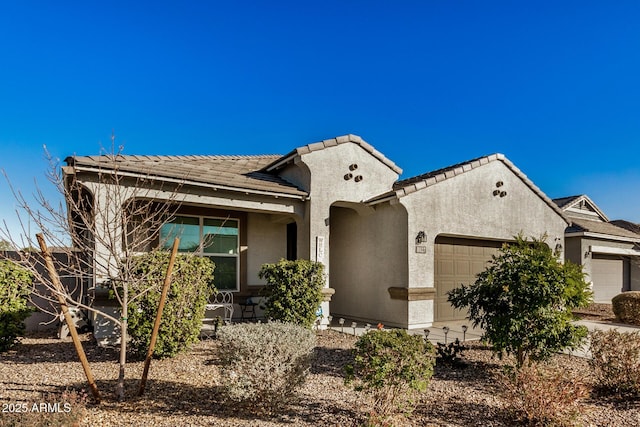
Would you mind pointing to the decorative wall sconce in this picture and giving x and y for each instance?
(421, 237)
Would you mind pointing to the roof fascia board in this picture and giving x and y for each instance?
(194, 183)
(602, 236)
(613, 251)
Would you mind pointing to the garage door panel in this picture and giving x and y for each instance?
(444, 267)
(607, 275)
(468, 258)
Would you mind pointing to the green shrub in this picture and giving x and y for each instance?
(191, 287)
(626, 307)
(391, 366)
(15, 288)
(616, 361)
(543, 395)
(263, 363)
(523, 301)
(293, 292)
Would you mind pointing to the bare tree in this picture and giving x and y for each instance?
(106, 217)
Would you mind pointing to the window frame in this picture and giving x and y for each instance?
(200, 252)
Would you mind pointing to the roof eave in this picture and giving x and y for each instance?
(216, 187)
(602, 236)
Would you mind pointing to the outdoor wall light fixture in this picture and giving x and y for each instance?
(421, 237)
(358, 178)
(499, 184)
(348, 176)
(503, 193)
(587, 254)
(353, 167)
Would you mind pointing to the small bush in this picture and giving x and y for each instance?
(626, 307)
(543, 395)
(262, 364)
(616, 361)
(391, 366)
(14, 294)
(450, 354)
(294, 291)
(523, 301)
(191, 286)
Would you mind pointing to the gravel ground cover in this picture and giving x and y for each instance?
(184, 391)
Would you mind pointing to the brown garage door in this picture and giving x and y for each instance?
(607, 275)
(458, 261)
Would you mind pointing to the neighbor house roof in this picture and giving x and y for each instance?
(316, 146)
(599, 227)
(631, 226)
(582, 201)
(413, 184)
(235, 173)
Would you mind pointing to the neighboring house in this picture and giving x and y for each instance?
(609, 252)
(392, 249)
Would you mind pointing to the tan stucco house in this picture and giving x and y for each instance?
(608, 251)
(392, 248)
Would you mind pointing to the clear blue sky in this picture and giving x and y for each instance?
(554, 85)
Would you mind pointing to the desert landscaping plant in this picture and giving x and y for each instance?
(294, 291)
(191, 287)
(262, 364)
(15, 285)
(390, 366)
(114, 217)
(523, 301)
(616, 362)
(626, 307)
(542, 395)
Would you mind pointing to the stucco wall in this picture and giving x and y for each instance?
(465, 206)
(368, 255)
(328, 168)
(266, 243)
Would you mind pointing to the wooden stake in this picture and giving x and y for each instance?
(156, 325)
(67, 317)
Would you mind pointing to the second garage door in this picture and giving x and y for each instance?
(458, 261)
(608, 277)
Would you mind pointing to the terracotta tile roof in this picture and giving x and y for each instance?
(585, 225)
(240, 173)
(413, 184)
(316, 146)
